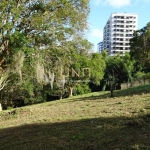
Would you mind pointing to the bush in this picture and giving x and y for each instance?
(140, 76)
(81, 89)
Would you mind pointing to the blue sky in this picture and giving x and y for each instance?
(102, 9)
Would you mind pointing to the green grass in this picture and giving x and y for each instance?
(88, 122)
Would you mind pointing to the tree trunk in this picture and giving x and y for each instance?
(112, 85)
(5, 52)
(61, 95)
(104, 87)
(112, 93)
(70, 90)
(0, 107)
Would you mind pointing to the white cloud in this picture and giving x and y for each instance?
(97, 33)
(114, 3)
(118, 3)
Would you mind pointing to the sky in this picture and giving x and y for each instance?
(100, 11)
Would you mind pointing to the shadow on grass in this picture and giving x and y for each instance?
(89, 134)
(143, 89)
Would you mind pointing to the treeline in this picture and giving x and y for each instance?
(44, 53)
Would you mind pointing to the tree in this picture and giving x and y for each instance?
(128, 64)
(140, 76)
(84, 66)
(97, 67)
(140, 48)
(119, 69)
(86, 69)
(114, 73)
(80, 57)
(31, 24)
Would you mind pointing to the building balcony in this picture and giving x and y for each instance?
(114, 45)
(121, 23)
(119, 41)
(118, 32)
(118, 50)
(124, 19)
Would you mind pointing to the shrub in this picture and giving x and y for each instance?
(82, 89)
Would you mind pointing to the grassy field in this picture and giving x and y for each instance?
(88, 122)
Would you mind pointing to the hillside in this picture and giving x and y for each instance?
(88, 122)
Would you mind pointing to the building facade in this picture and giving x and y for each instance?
(118, 31)
(100, 47)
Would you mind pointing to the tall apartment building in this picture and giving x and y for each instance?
(118, 31)
(100, 47)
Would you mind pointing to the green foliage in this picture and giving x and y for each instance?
(97, 66)
(128, 65)
(120, 68)
(113, 71)
(82, 89)
(140, 48)
(79, 68)
(147, 76)
(27, 92)
(29, 25)
(85, 66)
(140, 76)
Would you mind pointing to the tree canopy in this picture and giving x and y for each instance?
(27, 25)
(140, 48)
